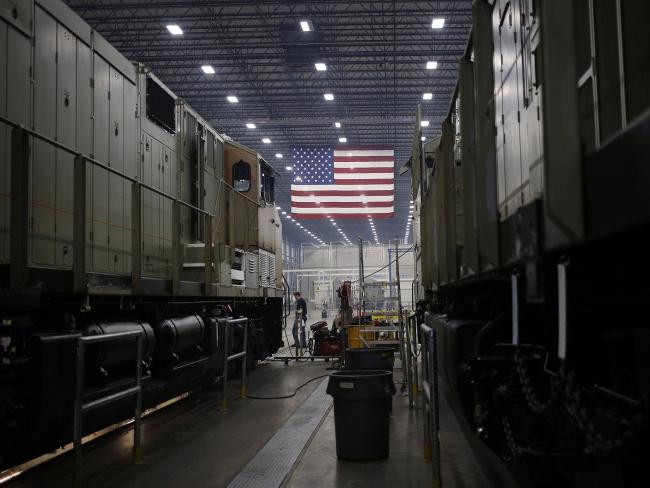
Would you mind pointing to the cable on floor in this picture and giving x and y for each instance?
(287, 396)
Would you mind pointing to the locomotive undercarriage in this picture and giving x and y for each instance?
(574, 421)
(183, 351)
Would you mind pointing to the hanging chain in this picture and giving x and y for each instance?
(527, 388)
(580, 412)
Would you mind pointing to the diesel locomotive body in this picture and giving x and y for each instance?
(121, 209)
(531, 232)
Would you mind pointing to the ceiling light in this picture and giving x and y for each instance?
(278, 155)
(424, 123)
(297, 178)
(289, 168)
(411, 206)
(320, 66)
(438, 23)
(337, 125)
(306, 25)
(232, 99)
(427, 96)
(328, 96)
(175, 30)
(278, 208)
(284, 213)
(422, 138)
(432, 64)
(250, 125)
(266, 140)
(207, 69)
(343, 139)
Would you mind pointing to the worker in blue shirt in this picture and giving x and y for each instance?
(300, 321)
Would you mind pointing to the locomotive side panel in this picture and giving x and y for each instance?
(486, 159)
(16, 107)
(42, 191)
(4, 156)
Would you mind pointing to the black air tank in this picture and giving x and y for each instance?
(119, 353)
(176, 335)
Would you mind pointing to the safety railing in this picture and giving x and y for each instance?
(81, 407)
(20, 197)
(227, 359)
(431, 402)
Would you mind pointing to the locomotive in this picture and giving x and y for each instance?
(531, 232)
(121, 209)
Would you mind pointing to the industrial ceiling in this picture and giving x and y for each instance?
(380, 57)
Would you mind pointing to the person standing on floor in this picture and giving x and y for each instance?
(300, 321)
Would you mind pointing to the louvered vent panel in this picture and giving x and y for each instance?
(272, 270)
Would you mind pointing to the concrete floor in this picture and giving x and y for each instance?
(194, 444)
(405, 467)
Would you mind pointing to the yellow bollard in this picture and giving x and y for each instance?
(242, 392)
(137, 455)
(427, 452)
(224, 405)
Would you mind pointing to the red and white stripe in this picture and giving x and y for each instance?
(364, 186)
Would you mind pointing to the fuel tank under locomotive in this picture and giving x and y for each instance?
(179, 354)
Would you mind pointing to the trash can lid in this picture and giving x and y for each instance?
(361, 384)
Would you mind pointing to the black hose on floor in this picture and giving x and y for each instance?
(287, 396)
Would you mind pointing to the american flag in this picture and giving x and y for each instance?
(343, 181)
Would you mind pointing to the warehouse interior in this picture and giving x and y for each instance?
(338, 243)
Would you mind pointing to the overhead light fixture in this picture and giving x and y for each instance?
(424, 123)
(337, 125)
(266, 140)
(437, 23)
(427, 96)
(343, 139)
(306, 25)
(250, 125)
(175, 30)
(207, 69)
(278, 208)
(432, 64)
(289, 168)
(320, 66)
(329, 96)
(422, 138)
(232, 99)
(278, 155)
